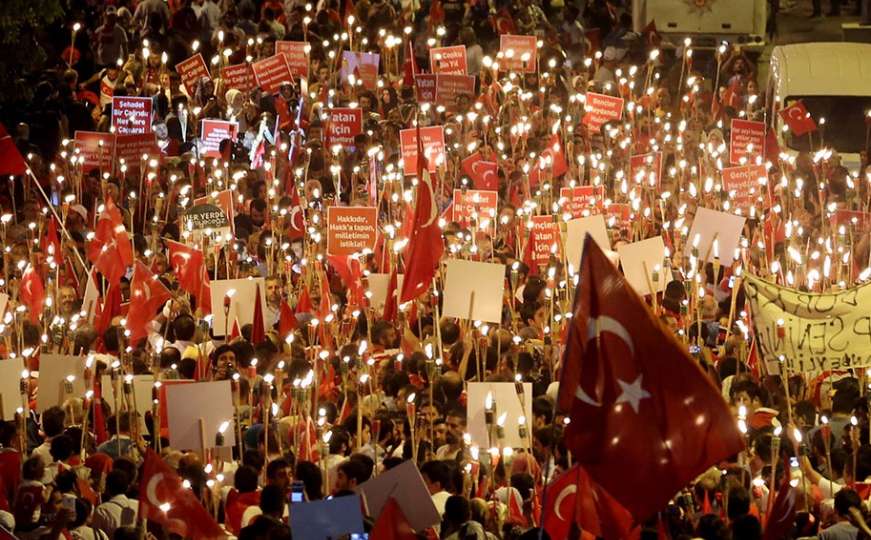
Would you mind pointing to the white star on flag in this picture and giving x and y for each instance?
(632, 393)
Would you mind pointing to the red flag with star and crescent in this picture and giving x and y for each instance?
(31, 293)
(111, 250)
(798, 119)
(643, 412)
(551, 160)
(190, 270)
(164, 500)
(147, 295)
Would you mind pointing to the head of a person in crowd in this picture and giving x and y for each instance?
(436, 476)
(383, 335)
(349, 474)
(117, 483)
(272, 501)
(62, 448)
(310, 475)
(748, 394)
(279, 473)
(245, 479)
(273, 290)
(53, 420)
(258, 212)
(224, 362)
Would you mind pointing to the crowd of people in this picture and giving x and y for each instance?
(332, 388)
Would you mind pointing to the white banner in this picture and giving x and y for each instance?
(810, 332)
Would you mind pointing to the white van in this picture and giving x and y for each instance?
(707, 22)
(833, 80)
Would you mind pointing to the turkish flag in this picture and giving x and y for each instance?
(286, 320)
(392, 524)
(296, 229)
(351, 273)
(798, 119)
(147, 296)
(425, 241)
(484, 174)
(558, 165)
(50, 242)
(189, 267)
(111, 250)
(782, 513)
(575, 498)
(164, 500)
(31, 293)
(642, 411)
(390, 308)
(11, 161)
(258, 325)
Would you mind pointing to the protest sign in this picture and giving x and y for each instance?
(742, 184)
(338, 517)
(810, 332)
(141, 393)
(642, 263)
(224, 201)
(190, 72)
(61, 377)
(405, 484)
(519, 53)
(448, 60)
(131, 115)
(575, 231)
(450, 87)
(601, 109)
(343, 125)
(271, 72)
(709, 225)
(474, 205)
(426, 87)
(212, 132)
(241, 302)
(646, 169)
(196, 413)
(379, 287)
(619, 216)
(239, 77)
(297, 55)
(583, 201)
(857, 219)
(433, 142)
(473, 290)
(746, 141)
(505, 401)
(545, 238)
(351, 229)
(201, 218)
(363, 66)
(10, 386)
(131, 148)
(95, 154)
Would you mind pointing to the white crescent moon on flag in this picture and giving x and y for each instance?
(568, 490)
(433, 212)
(151, 489)
(603, 324)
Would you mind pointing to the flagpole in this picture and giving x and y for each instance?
(54, 213)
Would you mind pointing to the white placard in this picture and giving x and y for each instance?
(506, 401)
(475, 287)
(142, 385)
(241, 305)
(710, 223)
(10, 385)
(186, 404)
(405, 484)
(379, 285)
(575, 231)
(53, 371)
(634, 257)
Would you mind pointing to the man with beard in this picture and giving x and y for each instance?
(273, 301)
(455, 422)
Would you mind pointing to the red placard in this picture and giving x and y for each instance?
(296, 55)
(646, 169)
(130, 148)
(545, 237)
(351, 229)
(513, 49)
(746, 140)
(190, 71)
(619, 216)
(88, 144)
(742, 184)
(582, 201)
(448, 60)
(271, 72)
(131, 115)
(448, 87)
(426, 88)
(433, 142)
(240, 77)
(212, 132)
(601, 109)
(474, 202)
(343, 126)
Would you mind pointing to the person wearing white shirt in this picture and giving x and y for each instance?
(436, 476)
(118, 510)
